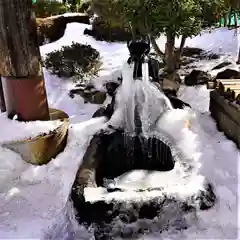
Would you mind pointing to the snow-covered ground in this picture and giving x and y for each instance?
(33, 198)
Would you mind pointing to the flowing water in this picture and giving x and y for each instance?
(138, 99)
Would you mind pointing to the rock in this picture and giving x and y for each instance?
(172, 95)
(198, 53)
(111, 88)
(52, 28)
(212, 85)
(211, 56)
(89, 95)
(98, 97)
(154, 67)
(191, 51)
(110, 155)
(222, 65)
(177, 103)
(170, 82)
(170, 85)
(99, 113)
(227, 74)
(197, 77)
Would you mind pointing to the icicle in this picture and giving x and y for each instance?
(145, 72)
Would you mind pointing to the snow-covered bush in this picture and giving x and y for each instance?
(77, 61)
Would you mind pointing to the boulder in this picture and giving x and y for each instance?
(89, 95)
(154, 67)
(197, 77)
(227, 74)
(52, 28)
(109, 156)
(191, 51)
(170, 85)
(222, 65)
(198, 53)
(111, 88)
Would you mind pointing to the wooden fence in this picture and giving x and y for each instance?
(225, 107)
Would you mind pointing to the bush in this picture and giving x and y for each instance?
(110, 31)
(78, 61)
(46, 8)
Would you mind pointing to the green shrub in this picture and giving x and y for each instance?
(110, 31)
(47, 8)
(78, 61)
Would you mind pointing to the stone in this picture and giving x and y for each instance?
(197, 77)
(222, 65)
(109, 156)
(170, 85)
(89, 94)
(172, 95)
(176, 102)
(191, 51)
(228, 74)
(212, 85)
(98, 97)
(198, 53)
(111, 88)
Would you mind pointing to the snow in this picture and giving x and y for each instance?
(33, 198)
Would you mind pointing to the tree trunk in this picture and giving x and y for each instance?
(179, 52)
(238, 60)
(20, 68)
(225, 20)
(155, 47)
(2, 100)
(169, 52)
(235, 20)
(229, 16)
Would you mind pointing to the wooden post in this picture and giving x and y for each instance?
(238, 60)
(20, 62)
(2, 100)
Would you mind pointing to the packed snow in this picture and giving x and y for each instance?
(34, 199)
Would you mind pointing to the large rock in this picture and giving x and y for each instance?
(111, 88)
(89, 94)
(110, 155)
(227, 74)
(197, 77)
(52, 28)
(222, 65)
(170, 86)
(198, 53)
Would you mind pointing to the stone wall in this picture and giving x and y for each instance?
(226, 114)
